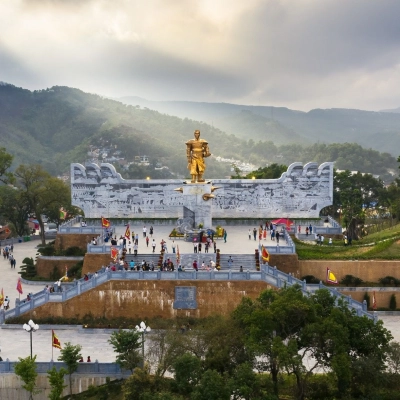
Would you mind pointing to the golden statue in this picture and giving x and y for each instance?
(196, 150)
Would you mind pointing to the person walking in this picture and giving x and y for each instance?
(255, 233)
(153, 245)
(230, 262)
(249, 234)
(147, 241)
(225, 235)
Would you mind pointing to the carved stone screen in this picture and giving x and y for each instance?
(301, 192)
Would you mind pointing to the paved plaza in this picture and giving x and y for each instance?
(14, 341)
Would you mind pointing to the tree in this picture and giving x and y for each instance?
(14, 209)
(187, 372)
(56, 380)
(5, 163)
(70, 355)
(286, 327)
(41, 192)
(353, 195)
(273, 171)
(127, 344)
(166, 345)
(212, 385)
(25, 368)
(394, 357)
(28, 268)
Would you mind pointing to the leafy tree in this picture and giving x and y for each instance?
(212, 385)
(353, 194)
(70, 355)
(56, 380)
(127, 344)
(273, 171)
(14, 209)
(25, 368)
(41, 191)
(5, 163)
(394, 357)
(187, 373)
(244, 383)
(166, 345)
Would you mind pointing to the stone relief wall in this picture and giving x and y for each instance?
(301, 192)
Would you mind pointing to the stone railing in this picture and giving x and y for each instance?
(268, 274)
(83, 368)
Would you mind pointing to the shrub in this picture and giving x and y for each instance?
(74, 252)
(76, 270)
(310, 279)
(392, 303)
(28, 268)
(350, 280)
(389, 281)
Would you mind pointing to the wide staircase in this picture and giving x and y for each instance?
(149, 258)
(247, 261)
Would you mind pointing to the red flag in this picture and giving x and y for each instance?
(105, 223)
(114, 253)
(128, 232)
(373, 301)
(264, 254)
(19, 286)
(1, 297)
(54, 341)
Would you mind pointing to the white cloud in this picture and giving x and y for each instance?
(301, 54)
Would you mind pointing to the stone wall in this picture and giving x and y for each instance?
(65, 240)
(382, 297)
(93, 262)
(45, 265)
(11, 386)
(368, 271)
(288, 263)
(150, 299)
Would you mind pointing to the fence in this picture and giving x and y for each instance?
(83, 368)
(268, 274)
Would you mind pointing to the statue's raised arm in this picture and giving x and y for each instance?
(196, 150)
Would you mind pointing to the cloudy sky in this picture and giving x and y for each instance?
(301, 54)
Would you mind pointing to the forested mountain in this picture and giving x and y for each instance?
(57, 126)
(284, 126)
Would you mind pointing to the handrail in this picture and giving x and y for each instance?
(83, 368)
(268, 274)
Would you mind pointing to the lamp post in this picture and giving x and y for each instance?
(31, 327)
(142, 328)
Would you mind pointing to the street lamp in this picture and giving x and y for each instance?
(142, 328)
(31, 327)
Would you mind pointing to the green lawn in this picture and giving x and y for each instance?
(383, 245)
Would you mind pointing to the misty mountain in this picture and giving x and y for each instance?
(284, 126)
(59, 125)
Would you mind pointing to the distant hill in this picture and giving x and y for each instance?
(283, 126)
(394, 110)
(57, 126)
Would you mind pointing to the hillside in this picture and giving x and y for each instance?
(57, 126)
(284, 126)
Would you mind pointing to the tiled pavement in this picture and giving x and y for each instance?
(14, 341)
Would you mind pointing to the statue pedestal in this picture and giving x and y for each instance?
(195, 197)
